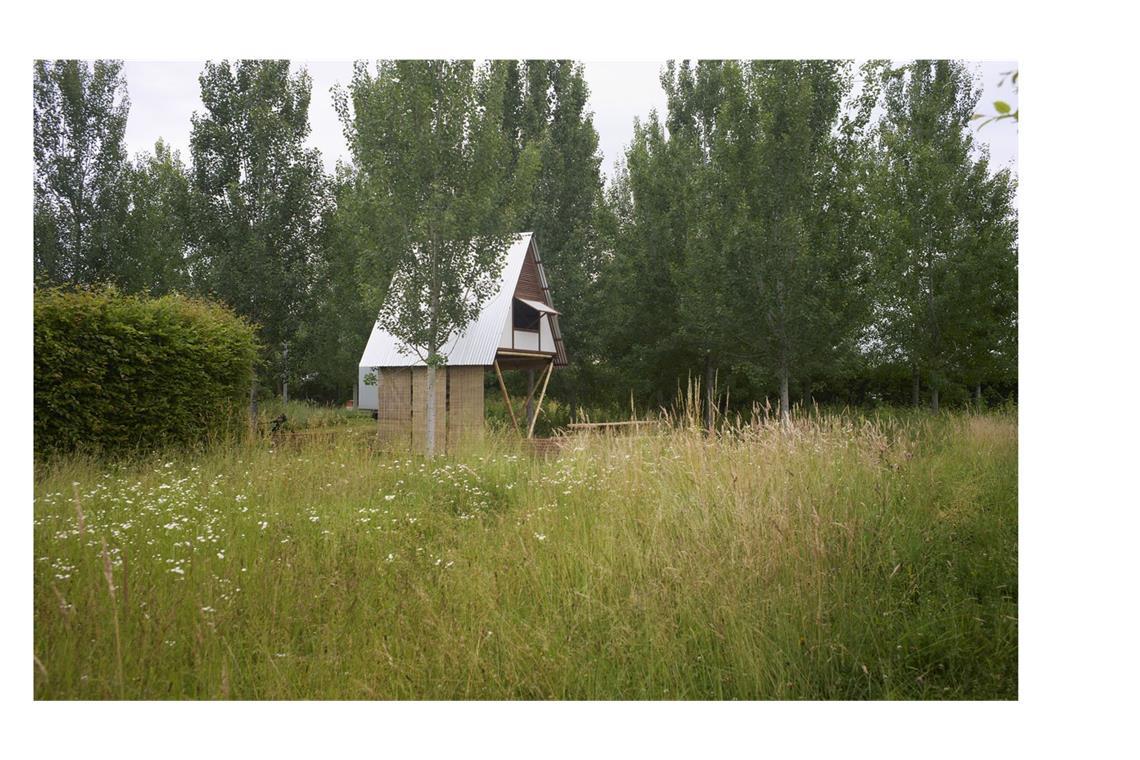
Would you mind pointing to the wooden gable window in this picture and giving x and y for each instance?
(525, 317)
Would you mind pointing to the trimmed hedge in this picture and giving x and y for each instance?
(117, 373)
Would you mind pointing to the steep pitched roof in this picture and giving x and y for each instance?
(477, 345)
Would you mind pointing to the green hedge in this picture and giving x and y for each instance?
(116, 373)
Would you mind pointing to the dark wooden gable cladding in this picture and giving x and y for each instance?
(530, 283)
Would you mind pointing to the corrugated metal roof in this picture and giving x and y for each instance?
(474, 346)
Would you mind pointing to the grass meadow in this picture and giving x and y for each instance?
(849, 556)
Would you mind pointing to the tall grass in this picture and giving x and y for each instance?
(842, 557)
(301, 415)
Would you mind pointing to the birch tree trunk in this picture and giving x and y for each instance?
(430, 437)
(915, 387)
(285, 377)
(433, 348)
(978, 394)
(934, 398)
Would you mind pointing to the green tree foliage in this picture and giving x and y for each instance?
(702, 268)
(774, 150)
(333, 338)
(116, 373)
(740, 238)
(638, 287)
(79, 118)
(668, 276)
(983, 334)
(153, 251)
(946, 259)
(556, 192)
(1003, 109)
(427, 140)
(777, 229)
(259, 195)
(694, 96)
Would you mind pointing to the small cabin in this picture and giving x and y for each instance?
(517, 329)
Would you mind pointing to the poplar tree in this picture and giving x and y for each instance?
(153, 252)
(79, 204)
(427, 140)
(946, 262)
(333, 338)
(638, 283)
(774, 157)
(701, 271)
(557, 193)
(259, 198)
(983, 333)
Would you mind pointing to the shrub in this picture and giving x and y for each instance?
(115, 373)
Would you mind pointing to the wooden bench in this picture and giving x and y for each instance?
(607, 427)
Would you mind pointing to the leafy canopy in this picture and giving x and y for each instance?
(426, 138)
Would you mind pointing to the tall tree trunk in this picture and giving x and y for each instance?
(710, 393)
(253, 406)
(915, 387)
(80, 262)
(785, 402)
(934, 398)
(285, 377)
(434, 341)
(430, 436)
(978, 394)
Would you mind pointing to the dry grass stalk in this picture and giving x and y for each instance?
(109, 574)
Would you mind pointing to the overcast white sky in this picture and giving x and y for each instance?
(164, 95)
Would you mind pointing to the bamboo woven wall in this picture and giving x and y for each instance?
(464, 405)
(395, 405)
(402, 415)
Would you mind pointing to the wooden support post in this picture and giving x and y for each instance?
(530, 398)
(506, 396)
(529, 406)
(538, 406)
